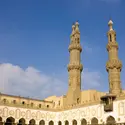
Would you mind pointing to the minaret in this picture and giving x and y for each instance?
(74, 67)
(113, 65)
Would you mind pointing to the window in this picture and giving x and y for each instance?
(31, 104)
(110, 38)
(4, 101)
(78, 100)
(14, 101)
(59, 103)
(47, 106)
(23, 102)
(39, 105)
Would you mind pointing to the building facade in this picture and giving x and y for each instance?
(77, 107)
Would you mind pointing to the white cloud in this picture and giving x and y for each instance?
(15, 80)
(31, 82)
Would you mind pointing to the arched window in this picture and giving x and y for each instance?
(14, 101)
(1, 121)
(66, 122)
(59, 123)
(78, 100)
(4, 101)
(39, 105)
(110, 120)
(83, 122)
(32, 122)
(42, 122)
(110, 36)
(10, 121)
(74, 122)
(94, 121)
(23, 103)
(21, 121)
(51, 123)
(31, 104)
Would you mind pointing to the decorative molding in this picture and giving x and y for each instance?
(110, 45)
(114, 63)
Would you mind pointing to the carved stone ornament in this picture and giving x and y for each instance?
(72, 66)
(75, 46)
(112, 44)
(114, 64)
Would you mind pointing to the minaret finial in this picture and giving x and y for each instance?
(73, 28)
(110, 24)
(77, 26)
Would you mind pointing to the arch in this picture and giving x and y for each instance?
(74, 122)
(0, 118)
(14, 101)
(32, 122)
(40, 105)
(51, 123)
(66, 122)
(42, 122)
(83, 122)
(1, 121)
(94, 121)
(4, 101)
(32, 104)
(110, 120)
(9, 121)
(21, 121)
(59, 123)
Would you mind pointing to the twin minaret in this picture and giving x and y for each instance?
(113, 65)
(75, 67)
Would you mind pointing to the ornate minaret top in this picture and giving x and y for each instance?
(110, 23)
(74, 67)
(113, 65)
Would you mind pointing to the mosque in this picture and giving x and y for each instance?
(76, 107)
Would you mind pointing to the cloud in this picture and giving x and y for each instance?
(28, 82)
(36, 84)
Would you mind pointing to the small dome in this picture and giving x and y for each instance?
(110, 22)
(77, 23)
(73, 26)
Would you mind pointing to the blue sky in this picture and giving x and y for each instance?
(34, 40)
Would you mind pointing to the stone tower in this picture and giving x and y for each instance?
(113, 65)
(74, 67)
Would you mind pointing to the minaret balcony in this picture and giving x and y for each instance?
(74, 66)
(114, 63)
(108, 107)
(108, 102)
(75, 46)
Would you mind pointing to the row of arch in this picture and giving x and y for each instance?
(94, 121)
